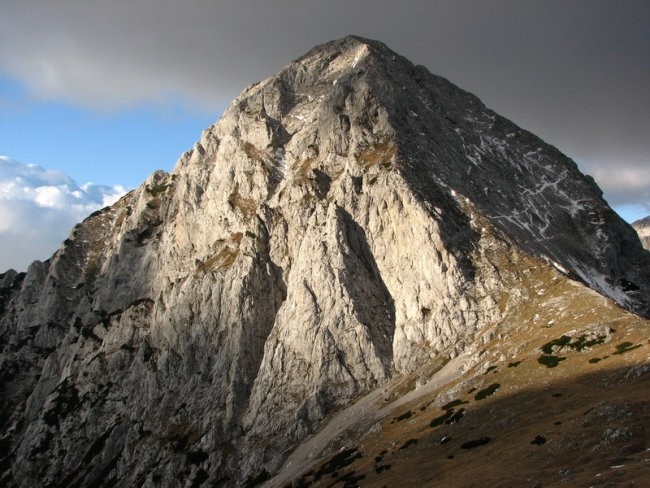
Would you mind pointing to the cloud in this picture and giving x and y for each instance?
(38, 209)
(575, 73)
(624, 183)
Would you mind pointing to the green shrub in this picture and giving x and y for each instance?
(550, 361)
(559, 342)
(453, 403)
(155, 190)
(624, 347)
(490, 390)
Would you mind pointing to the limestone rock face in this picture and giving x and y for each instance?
(346, 221)
(642, 227)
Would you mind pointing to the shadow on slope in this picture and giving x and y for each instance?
(589, 430)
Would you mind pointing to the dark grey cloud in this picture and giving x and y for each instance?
(574, 72)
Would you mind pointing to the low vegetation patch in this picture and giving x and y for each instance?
(454, 403)
(155, 190)
(456, 417)
(380, 153)
(550, 361)
(222, 259)
(559, 343)
(348, 480)
(409, 443)
(246, 206)
(582, 342)
(475, 443)
(442, 418)
(252, 152)
(490, 390)
(381, 467)
(225, 256)
(539, 440)
(404, 416)
(624, 347)
(338, 461)
(451, 416)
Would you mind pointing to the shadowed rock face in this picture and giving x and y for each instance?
(341, 224)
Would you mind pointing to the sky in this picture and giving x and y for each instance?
(96, 95)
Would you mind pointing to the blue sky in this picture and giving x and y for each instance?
(106, 147)
(108, 92)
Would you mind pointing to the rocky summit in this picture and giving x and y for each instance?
(354, 236)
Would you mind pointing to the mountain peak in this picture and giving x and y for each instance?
(349, 48)
(352, 103)
(345, 45)
(349, 226)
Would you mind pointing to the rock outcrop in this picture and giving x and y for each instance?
(642, 227)
(347, 220)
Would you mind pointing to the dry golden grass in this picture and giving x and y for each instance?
(247, 206)
(225, 256)
(252, 152)
(581, 423)
(303, 168)
(381, 153)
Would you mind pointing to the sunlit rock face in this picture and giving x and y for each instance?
(346, 221)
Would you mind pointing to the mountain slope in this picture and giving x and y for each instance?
(349, 221)
(556, 392)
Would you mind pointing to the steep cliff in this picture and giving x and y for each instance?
(347, 222)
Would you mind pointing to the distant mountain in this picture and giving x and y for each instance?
(358, 273)
(642, 227)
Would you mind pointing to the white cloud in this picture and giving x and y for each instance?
(39, 207)
(591, 101)
(623, 183)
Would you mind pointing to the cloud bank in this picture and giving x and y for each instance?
(625, 184)
(38, 209)
(575, 73)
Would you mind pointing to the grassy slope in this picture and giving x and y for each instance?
(590, 411)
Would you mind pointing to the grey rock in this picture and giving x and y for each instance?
(346, 221)
(642, 227)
